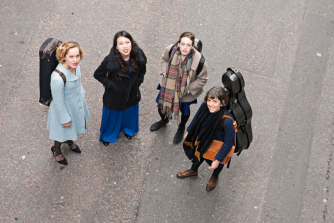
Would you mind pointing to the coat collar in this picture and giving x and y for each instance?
(68, 74)
(114, 66)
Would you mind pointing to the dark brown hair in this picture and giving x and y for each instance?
(133, 53)
(217, 92)
(190, 35)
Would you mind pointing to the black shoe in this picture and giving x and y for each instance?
(76, 150)
(105, 143)
(179, 135)
(157, 125)
(127, 136)
(64, 161)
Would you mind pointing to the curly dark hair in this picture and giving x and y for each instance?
(217, 92)
(133, 53)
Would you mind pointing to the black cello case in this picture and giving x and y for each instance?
(234, 84)
(47, 64)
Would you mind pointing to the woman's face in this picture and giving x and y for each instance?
(214, 105)
(124, 46)
(185, 45)
(72, 58)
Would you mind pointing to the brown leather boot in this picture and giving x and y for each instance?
(211, 184)
(186, 173)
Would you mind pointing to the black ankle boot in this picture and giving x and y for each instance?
(157, 125)
(179, 135)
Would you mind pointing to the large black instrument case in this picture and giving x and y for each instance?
(47, 64)
(239, 106)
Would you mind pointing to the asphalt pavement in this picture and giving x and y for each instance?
(285, 51)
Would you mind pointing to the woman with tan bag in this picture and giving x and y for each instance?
(207, 128)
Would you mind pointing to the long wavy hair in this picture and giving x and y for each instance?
(133, 66)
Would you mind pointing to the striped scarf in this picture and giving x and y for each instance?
(174, 83)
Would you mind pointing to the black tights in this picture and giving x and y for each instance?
(215, 173)
(58, 144)
(163, 117)
(184, 118)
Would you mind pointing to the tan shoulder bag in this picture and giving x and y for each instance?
(216, 145)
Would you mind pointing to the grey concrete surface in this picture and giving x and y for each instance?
(18, 22)
(284, 50)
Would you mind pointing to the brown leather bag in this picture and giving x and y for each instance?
(216, 145)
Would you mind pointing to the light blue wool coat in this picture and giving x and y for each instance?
(68, 104)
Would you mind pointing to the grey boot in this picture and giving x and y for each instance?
(157, 125)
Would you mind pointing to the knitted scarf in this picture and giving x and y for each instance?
(174, 83)
(199, 139)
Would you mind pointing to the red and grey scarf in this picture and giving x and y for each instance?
(174, 83)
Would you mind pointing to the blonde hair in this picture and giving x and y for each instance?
(63, 49)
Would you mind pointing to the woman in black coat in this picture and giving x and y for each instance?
(121, 73)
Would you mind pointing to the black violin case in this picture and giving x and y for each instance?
(47, 64)
(240, 108)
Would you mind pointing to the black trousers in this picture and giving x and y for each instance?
(215, 173)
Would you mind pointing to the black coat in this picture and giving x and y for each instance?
(124, 93)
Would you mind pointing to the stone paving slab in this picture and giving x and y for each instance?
(295, 132)
(318, 204)
(260, 51)
(17, 24)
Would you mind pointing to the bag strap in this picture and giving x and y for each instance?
(235, 125)
(62, 75)
(200, 65)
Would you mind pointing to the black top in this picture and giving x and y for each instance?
(227, 137)
(123, 93)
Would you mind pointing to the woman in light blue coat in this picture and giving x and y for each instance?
(68, 112)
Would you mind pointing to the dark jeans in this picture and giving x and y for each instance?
(215, 173)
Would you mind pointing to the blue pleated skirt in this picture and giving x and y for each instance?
(113, 122)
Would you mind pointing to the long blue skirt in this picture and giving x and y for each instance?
(114, 121)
